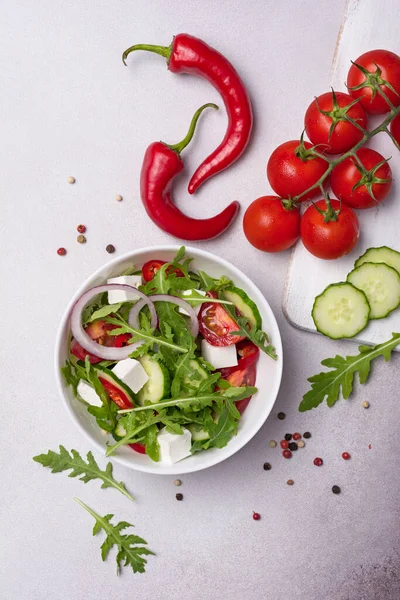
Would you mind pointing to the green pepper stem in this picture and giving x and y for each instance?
(188, 137)
(161, 50)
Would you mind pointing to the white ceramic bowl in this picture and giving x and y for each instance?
(269, 372)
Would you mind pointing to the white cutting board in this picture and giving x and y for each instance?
(367, 24)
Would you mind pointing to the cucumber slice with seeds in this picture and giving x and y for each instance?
(158, 384)
(341, 311)
(381, 285)
(245, 305)
(380, 255)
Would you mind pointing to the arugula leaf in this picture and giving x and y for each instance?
(329, 384)
(64, 461)
(135, 425)
(106, 415)
(70, 376)
(148, 335)
(104, 311)
(131, 548)
(95, 304)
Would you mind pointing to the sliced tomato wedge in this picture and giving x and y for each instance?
(116, 394)
(98, 331)
(246, 371)
(151, 267)
(138, 448)
(216, 324)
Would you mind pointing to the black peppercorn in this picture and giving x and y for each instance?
(281, 416)
(293, 446)
(307, 435)
(288, 436)
(110, 248)
(336, 489)
(267, 466)
(179, 496)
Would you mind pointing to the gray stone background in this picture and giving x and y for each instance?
(69, 107)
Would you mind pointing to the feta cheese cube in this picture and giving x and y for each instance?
(195, 307)
(121, 296)
(88, 393)
(174, 447)
(131, 372)
(219, 356)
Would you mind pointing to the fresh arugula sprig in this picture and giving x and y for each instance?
(257, 336)
(329, 384)
(106, 415)
(208, 283)
(86, 471)
(131, 548)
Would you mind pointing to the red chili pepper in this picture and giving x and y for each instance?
(188, 54)
(161, 164)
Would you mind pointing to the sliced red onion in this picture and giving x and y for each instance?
(194, 324)
(133, 318)
(91, 346)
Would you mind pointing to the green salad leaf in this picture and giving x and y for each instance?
(104, 311)
(106, 415)
(329, 384)
(131, 548)
(95, 304)
(86, 471)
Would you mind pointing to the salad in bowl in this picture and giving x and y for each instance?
(163, 358)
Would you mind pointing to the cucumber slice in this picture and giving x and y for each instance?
(381, 285)
(197, 368)
(380, 255)
(341, 311)
(198, 433)
(120, 429)
(158, 384)
(106, 376)
(245, 305)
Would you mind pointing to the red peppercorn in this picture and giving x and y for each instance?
(318, 462)
(61, 252)
(256, 516)
(284, 444)
(346, 456)
(297, 436)
(81, 228)
(287, 454)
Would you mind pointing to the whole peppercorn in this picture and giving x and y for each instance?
(293, 446)
(81, 239)
(287, 454)
(256, 516)
(81, 228)
(365, 404)
(110, 248)
(290, 482)
(301, 444)
(179, 497)
(281, 416)
(284, 444)
(267, 466)
(177, 482)
(273, 444)
(61, 252)
(346, 456)
(336, 489)
(288, 436)
(71, 179)
(118, 198)
(307, 435)
(318, 462)
(297, 436)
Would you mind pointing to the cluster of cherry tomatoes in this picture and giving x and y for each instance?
(299, 171)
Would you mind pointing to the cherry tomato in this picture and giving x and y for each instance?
(344, 134)
(138, 448)
(245, 372)
(346, 175)
(98, 331)
(248, 354)
(269, 226)
(151, 267)
(395, 128)
(116, 394)
(216, 324)
(334, 238)
(374, 61)
(292, 169)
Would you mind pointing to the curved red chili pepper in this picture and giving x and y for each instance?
(161, 164)
(188, 54)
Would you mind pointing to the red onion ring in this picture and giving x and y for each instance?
(106, 352)
(194, 324)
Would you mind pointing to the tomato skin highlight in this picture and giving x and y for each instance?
(345, 135)
(270, 227)
(346, 175)
(289, 175)
(389, 63)
(333, 239)
(395, 128)
(216, 324)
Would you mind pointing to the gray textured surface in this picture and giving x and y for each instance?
(70, 108)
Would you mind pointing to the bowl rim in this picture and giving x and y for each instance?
(179, 467)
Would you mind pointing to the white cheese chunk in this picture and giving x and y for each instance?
(174, 447)
(88, 393)
(219, 356)
(121, 296)
(131, 372)
(195, 307)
